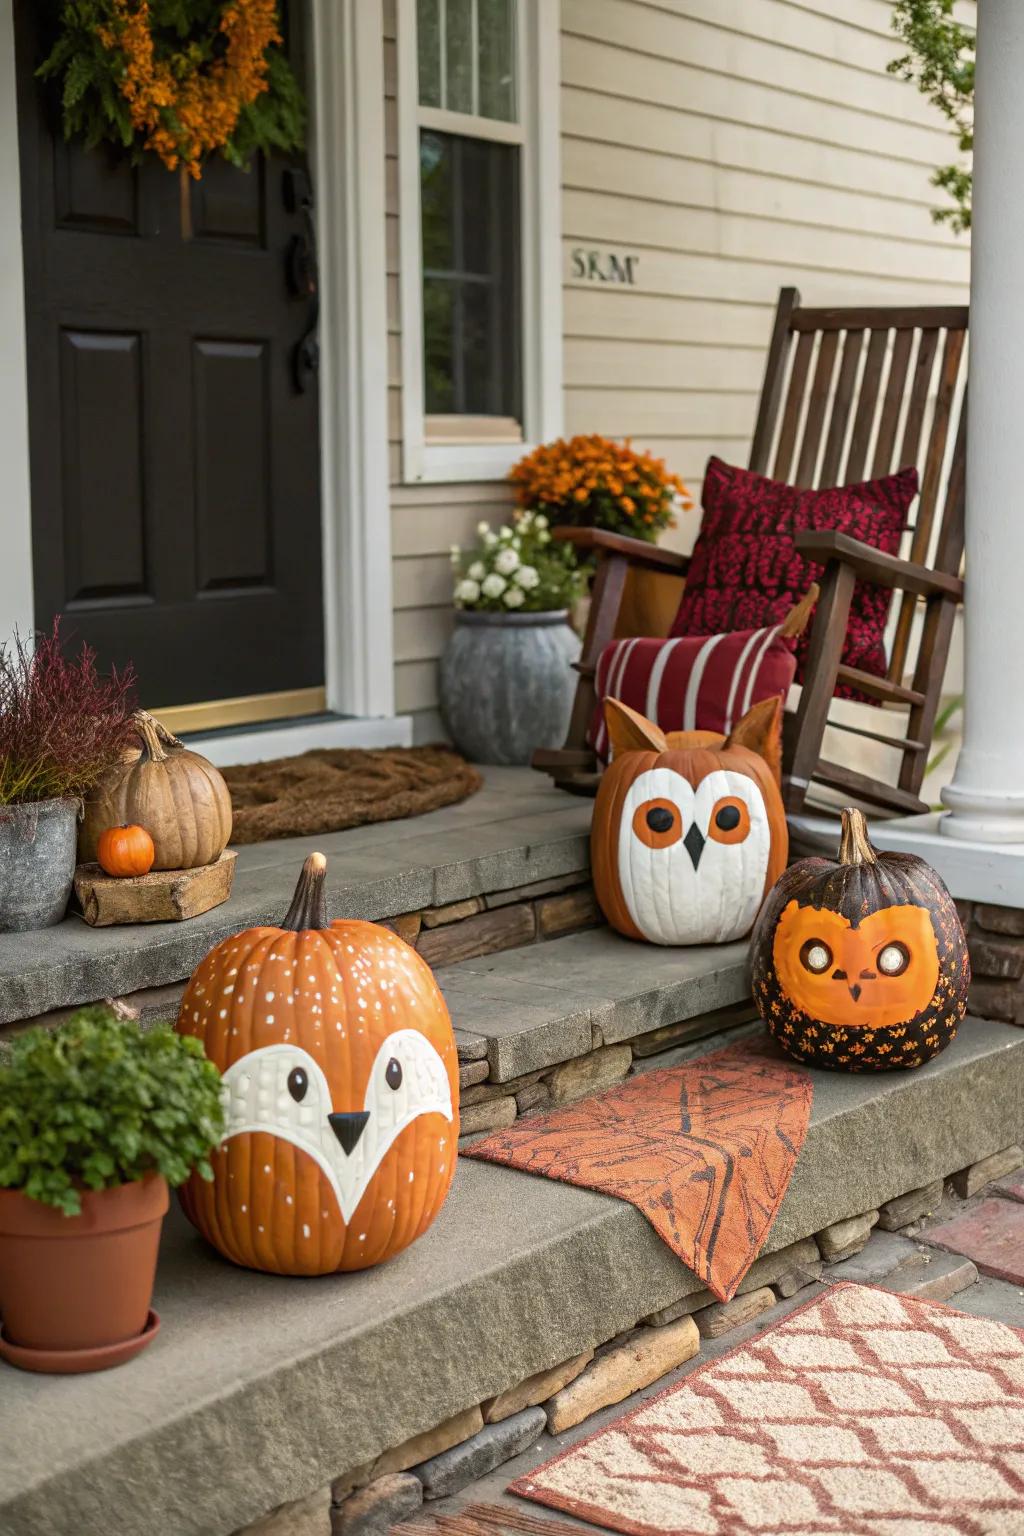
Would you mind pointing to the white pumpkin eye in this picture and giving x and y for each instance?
(893, 959)
(815, 956)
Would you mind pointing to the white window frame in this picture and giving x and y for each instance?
(537, 131)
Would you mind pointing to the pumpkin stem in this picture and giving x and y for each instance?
(309, 904)
(854, 847)
(154, 736)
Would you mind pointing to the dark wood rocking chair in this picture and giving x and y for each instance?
(848, 394)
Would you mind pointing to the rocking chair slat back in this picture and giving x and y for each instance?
(845, 389)
(885, 387)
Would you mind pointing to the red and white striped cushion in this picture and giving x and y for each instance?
(694, 683)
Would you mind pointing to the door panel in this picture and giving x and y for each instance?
(175, 468)
(232, 434)
(101, 483)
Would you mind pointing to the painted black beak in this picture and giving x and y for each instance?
(855, 990)
(693, 842)
(349, 1128)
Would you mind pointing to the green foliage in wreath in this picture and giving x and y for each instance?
(180, 78)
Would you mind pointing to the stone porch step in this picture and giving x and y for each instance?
(260, 1390)
(515, 831)
(547, 1003)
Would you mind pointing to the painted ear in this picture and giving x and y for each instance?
(761, 731)
(628, 731)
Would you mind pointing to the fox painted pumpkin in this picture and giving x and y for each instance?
(689, 831)
(340, 1088)
(861, 964)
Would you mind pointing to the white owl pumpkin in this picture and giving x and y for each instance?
(689, 831)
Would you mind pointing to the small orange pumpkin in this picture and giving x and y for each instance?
(688, 831)
(341, 1091)
(861, 964)
(125, 851)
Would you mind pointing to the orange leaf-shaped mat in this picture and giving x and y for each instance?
(705, 1151)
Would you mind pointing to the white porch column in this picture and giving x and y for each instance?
(986, 797)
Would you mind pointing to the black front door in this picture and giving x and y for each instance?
(175, 462)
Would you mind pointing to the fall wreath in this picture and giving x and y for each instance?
(182, 79)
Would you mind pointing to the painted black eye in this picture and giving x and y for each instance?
(298, 1084)
(659, 819)
(815, 956)
(728, 818)
(393, 1073)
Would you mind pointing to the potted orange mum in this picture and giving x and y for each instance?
(594, 482)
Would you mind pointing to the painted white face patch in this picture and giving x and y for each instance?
(281, 1089)
(693, 862)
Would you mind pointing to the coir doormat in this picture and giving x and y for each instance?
(862, 1413)
(328, 790)
(705, 1151)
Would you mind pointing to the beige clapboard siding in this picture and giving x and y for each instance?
(613, 69)
(613, 219)
(626, 313)
(732, 147)
(858, 36)
(787, 57)
(673, 130)
(700, 185)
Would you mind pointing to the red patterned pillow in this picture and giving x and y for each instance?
(704, 683)
(745, 570)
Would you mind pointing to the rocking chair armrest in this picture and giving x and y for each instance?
(636, 551)
(873, 566)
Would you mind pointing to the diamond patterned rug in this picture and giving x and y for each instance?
(861, 1414)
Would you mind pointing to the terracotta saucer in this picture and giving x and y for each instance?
(70, 1361)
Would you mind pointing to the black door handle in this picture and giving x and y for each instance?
(302, 276)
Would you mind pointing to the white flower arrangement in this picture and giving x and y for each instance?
(516, 567)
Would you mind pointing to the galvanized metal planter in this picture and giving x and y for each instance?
(37, 862)
(507, 683)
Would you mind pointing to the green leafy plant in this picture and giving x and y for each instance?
(519, 568)
(96, 1102)
(940, 62)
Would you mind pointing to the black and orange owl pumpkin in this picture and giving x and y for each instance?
(688, 831)
(340, 1090)
(861, 965)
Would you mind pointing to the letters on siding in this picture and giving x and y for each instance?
(597, 266)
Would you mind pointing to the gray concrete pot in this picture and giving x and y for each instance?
(37, 863)
(507, 683)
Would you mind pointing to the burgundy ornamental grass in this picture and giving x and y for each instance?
(62, 724)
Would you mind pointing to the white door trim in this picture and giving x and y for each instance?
(16, 604)
(348, 161)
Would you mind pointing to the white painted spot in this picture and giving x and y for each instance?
(305, 1229)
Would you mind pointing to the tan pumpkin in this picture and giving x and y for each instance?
(179, 797)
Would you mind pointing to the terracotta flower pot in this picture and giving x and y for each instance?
(75, 1290)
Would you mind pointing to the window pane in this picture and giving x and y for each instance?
(472, 310)
(436, 201)
(438, 346)
(458, 42)
(497, 59)
(428, 44)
